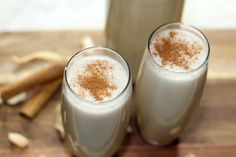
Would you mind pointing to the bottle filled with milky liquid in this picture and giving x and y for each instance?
(96, 99)
(170, 81)
(129, 23)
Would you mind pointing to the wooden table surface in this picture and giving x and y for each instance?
(210, 133)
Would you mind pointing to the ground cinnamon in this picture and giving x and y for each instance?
(95, 80)
(174, 51)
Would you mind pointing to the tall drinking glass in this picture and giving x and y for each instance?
(170, 81)
(96, 98)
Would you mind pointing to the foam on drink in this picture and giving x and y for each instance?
(97, 78)
(178, 50)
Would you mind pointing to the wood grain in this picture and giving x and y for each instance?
(210, 133)
(222, 61)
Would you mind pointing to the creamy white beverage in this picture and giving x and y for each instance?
(96, 102)
(170, 81)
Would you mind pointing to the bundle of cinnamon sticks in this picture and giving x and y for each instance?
(42, 84)
(47, 80)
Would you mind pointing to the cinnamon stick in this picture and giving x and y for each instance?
(39, 98)
(44, 75)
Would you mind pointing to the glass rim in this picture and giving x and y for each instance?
(188, 27)
(95, 48)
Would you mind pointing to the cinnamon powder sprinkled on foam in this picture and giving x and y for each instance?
(174, 51)
(95, 80)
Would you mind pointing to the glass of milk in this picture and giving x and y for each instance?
(96, 99)
(170, 81)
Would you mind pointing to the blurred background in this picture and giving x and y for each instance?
(31, 15)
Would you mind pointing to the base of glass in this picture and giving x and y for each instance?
(155, 142)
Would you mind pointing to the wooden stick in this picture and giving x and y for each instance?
(44, 75)
(39, 98)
